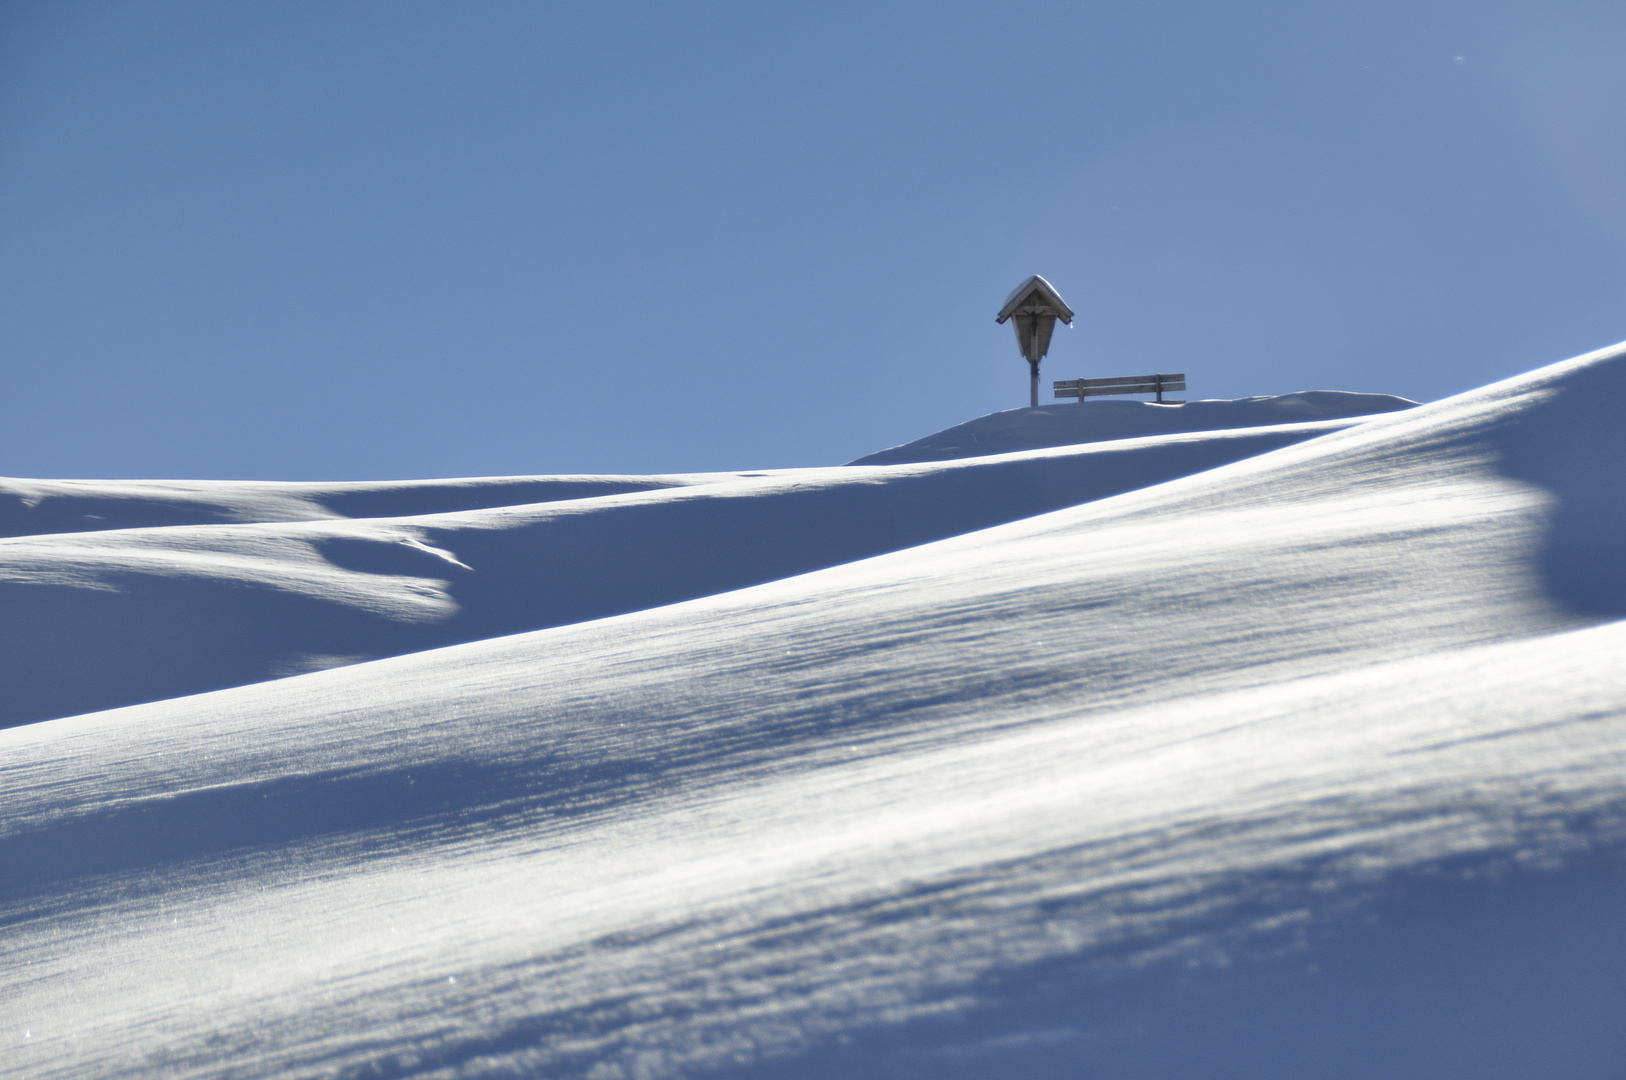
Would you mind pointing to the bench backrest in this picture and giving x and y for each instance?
(1122, 384)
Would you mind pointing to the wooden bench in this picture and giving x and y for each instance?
(1122, 384)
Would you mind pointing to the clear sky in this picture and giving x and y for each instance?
(368, 240)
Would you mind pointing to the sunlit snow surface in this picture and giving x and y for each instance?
(103, 617)
(1311, 764)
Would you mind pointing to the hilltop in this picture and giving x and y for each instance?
(1099, 421)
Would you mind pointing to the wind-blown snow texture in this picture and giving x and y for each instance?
(114, 617)
(1309, 764)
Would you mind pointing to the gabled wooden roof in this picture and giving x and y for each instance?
(1046, 295)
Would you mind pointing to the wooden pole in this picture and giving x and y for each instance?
(1033, 360)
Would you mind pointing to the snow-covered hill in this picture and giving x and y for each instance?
(1304, 763)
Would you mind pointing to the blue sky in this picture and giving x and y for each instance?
(370, 240)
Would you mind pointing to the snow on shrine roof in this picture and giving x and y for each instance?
(1045, 289)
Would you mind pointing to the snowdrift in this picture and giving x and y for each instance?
(32, 507)
(1312, 763)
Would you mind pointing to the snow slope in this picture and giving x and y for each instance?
(92, 620)
(1310, 764)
